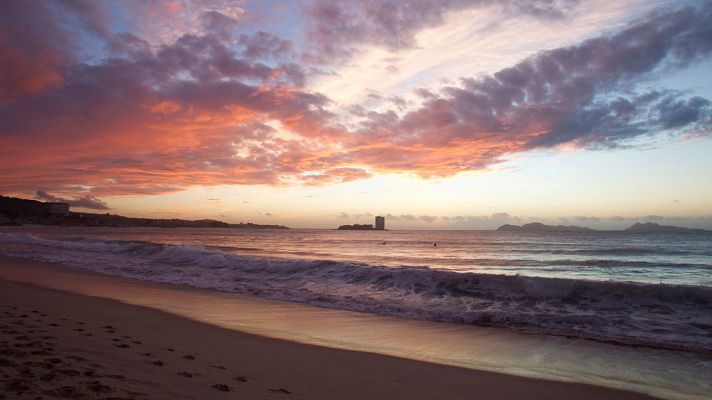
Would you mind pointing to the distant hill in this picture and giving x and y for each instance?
(14, 207)
(653, 227)
(112, 220)
(14, 211)
(539, 227)
(636, 228)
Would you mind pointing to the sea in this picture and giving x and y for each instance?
(641, 289)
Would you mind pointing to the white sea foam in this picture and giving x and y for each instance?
(652, 314)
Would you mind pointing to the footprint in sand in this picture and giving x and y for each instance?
(48, 377)
(221, 387)
(158, 363)
(69, 372)
(18, 386)
(280, 390)
(98, 387)
(38, 364)
(66, 392)
(189, 357)
(185, 374)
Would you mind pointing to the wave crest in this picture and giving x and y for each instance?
(654, 314)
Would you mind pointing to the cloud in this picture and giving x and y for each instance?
(427, 218)
(337, 28)
(402, 217)
(158, 118)
(204, 104)
(492, 221)
(585, 219)
(578, 96)
(89, 202)
(357, 216)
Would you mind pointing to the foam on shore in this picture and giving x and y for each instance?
(656, 315)
(662, 373)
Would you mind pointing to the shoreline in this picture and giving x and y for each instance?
(45, 275)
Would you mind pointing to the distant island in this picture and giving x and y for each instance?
(380, 226)
(356, 227)
(648, 227)
(539, 227)
(653, 227)
(16, 211)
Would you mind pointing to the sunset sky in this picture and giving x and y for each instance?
(439, 114)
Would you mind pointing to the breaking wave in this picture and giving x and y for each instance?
(662, 315)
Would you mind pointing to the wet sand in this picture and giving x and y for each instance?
(57, 344)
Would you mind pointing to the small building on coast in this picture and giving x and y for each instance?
(380, 223)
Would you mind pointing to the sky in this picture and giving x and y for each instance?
(438, 114)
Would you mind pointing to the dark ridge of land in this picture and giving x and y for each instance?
(648, 227)
(112, 220)
(15, 211)
(356, 227)
(653, 227)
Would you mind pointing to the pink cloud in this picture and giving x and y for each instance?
(201, 109)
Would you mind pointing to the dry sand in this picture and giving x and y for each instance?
(55, 344)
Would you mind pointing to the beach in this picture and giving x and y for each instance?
(61, 344)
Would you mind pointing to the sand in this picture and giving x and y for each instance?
(56, 344)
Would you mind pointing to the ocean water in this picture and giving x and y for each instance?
(637, 289)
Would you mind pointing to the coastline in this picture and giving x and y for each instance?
(317, 371)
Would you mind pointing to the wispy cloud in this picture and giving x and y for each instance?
(338, 28)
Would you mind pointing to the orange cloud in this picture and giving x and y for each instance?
(209, 108)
